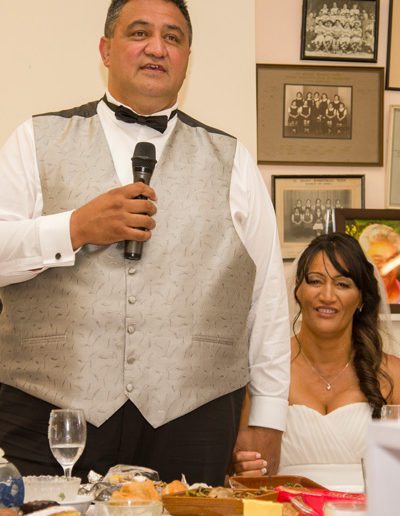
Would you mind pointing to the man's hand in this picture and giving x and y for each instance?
(257, 451)
(114, 216)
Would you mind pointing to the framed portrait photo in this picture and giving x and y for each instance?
(378, 232)
(338, 30)
(305, 206)
(393, 160)
(320, 115)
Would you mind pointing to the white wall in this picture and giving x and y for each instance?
(50, 61)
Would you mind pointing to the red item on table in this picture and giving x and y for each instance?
(317, 498)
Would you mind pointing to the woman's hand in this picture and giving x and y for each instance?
(266, 442)
(248, 463)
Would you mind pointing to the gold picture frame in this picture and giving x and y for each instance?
(359, 88)
(354, 222)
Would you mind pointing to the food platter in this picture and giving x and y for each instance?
(273, 481)
(182, 504)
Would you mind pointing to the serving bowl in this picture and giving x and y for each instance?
(48, 487)
(80, 502)
(129, 508)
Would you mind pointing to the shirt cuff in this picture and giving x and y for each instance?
(55, 240)
(268, 412)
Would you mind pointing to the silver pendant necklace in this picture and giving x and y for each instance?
(328, 385)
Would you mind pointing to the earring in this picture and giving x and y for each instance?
(360, 308)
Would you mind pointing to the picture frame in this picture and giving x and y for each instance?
(359, 90)
(305, 206)
(393, 159)
(374, 231)
(392, 81)
(336, 30)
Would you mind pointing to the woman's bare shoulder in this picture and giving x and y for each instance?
(391, 363)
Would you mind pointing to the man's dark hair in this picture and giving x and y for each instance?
(115, 9)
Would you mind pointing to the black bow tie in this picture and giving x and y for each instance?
(158, 122)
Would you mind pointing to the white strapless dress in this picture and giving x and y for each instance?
(326, 448)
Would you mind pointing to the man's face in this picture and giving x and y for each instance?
(148, 54)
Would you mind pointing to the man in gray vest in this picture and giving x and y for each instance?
(157, 351)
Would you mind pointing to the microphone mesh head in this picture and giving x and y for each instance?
(145, 150)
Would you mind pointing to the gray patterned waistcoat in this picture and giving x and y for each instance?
(168, 332)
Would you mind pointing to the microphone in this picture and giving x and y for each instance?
(143, 163)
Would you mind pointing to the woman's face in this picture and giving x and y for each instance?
(328, 300)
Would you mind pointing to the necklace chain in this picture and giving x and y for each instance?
(328, 385)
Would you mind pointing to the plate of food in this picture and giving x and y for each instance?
(272, 481)
(216, 501)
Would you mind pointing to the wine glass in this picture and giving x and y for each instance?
(391, 413)
(67, 437)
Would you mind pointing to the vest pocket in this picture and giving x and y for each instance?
(52, 340)
(209, 339)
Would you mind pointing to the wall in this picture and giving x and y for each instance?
(278, 28)
(50, 61)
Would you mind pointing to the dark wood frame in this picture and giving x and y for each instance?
(393, 47)
(307, 186)
(338, 57)
(346, 216)
(364, 148)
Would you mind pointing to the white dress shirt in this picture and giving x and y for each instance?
(29, 242)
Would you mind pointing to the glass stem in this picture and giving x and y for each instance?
(68, 472)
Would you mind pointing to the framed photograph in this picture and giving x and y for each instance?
(378, 232)
(393, 167)
(320, 115)
(340, 30)
(393, 48)
(305, 206)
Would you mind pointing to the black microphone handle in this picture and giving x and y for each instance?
(143, 163)
(133, 248)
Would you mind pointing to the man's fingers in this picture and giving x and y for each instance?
(241, 456)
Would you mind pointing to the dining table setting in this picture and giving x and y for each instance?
(134, 490)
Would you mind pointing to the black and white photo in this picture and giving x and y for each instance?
(340, 30)
(305, 206)
(313, 112)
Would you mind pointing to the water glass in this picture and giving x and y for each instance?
(67, 437)
(390, 413)
(345, 509)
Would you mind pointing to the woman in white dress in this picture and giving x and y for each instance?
(340, 375)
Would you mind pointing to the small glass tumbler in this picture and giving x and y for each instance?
(390, 413)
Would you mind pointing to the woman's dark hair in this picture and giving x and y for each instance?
(115, 9)
(348, 258)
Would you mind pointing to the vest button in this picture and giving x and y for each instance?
(132, 300)
(130, 360)
(129, 387)
(131, 329)
(131, 271)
